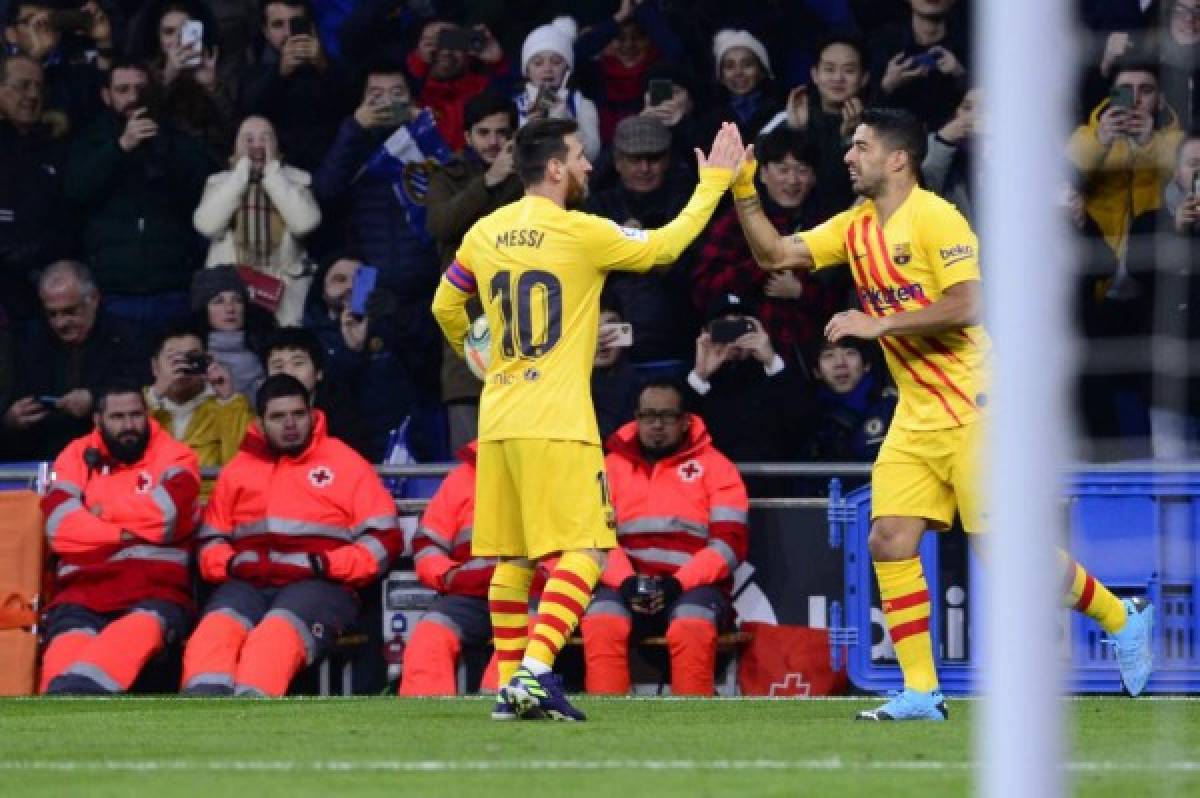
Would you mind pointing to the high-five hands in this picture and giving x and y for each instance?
(727, 150)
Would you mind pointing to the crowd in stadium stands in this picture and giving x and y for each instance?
(197, 195)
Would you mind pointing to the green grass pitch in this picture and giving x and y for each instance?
(629, 747)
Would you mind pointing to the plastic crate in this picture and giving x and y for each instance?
(1138, 532)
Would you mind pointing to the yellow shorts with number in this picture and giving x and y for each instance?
(536, 497)
(930, 474)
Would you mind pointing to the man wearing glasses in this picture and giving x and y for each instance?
(681, 527)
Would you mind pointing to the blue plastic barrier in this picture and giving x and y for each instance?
(1138, 532)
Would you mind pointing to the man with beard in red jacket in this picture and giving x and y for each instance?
(297, 522)
(119, 516)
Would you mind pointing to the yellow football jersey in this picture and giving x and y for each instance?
(925, 247)
(539, 270)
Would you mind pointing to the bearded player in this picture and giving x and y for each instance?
(541, 489)
(915, 266)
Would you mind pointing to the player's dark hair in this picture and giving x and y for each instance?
(279, 386)
(296, 338)
(900, 130)
(782, 142)
(483, 105)
(664, 384)
(536, 144)
(116, 387)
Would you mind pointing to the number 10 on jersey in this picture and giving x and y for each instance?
(531, 306)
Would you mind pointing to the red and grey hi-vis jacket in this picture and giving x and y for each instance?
(269, 513)
(443, 540)
(684, 515)
(122, 532)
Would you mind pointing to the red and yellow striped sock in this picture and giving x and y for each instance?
(508, 605)
(905, 597)
(1088, 595)
(567, 594)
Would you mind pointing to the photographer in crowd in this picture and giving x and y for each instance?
(193, 398)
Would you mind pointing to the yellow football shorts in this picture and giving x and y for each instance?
(930, 474)
(536, 497)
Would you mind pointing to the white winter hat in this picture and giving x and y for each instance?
(727, 39)
(557, 37)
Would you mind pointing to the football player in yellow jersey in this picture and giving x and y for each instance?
(915, 266)
(541, 489)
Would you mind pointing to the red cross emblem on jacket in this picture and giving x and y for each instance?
(691, 471)
(321, 477)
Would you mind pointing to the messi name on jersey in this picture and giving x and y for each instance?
(523, 237)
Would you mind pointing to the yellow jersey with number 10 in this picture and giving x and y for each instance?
(539, 269)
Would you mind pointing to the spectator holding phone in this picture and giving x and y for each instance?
(61, 359)
(547, 59)
(373, 351)
(613, 55)
(192, 397)
(178, 41)
(255, 215)
(671, 97)
(737, 376)
(294, 84)
(35, 28)
(615, 382)
(1126, 153)
(376, 223)
(462, 191)
(137, 178)
(921, 64)
(452, 64)
(793, 307)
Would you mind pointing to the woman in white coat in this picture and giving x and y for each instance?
(255, 215)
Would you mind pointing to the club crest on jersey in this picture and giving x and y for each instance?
(321, 477)
(901, 254)
(690, 471)
(145, 482)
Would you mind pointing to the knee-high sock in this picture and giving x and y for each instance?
(212, 651)
(606, 653)
(430, 661)
(567, 594)
(1088, 595)
(508, 605)
(62, 652)
(693, 646)
(274, 653)
(115, 657)
(905, 597)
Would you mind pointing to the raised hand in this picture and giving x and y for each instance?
(853, 323)
(727, 149)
